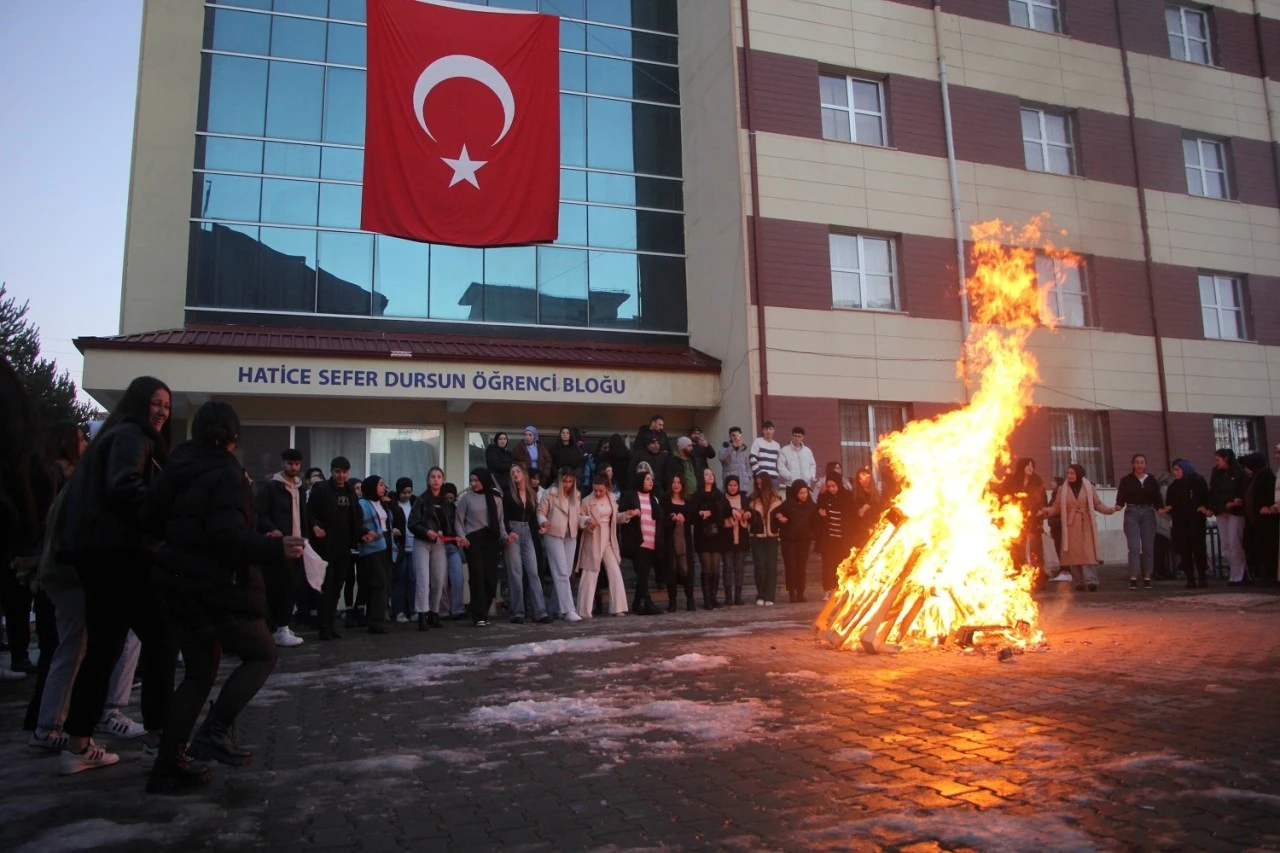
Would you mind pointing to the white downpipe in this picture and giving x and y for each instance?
(954, 177)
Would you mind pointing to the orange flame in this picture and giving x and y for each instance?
(940, 561)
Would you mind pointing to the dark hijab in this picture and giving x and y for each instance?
(1079, 483)
(489, 490)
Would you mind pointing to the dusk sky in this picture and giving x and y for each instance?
(69, 71)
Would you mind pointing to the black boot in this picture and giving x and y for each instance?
(423, 624)
(433, 620)
(688, 594)
(737, 595)
(216, 742)
(174, 773)
(672, 604)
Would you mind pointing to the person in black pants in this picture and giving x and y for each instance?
(797, 520)
(641, 537)
(1187, 505)
(202, 508)
(102, 535)
(282, 511)
(482, 530)
(336, 526)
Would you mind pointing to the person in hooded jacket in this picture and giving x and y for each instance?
(1261, 529)
(660, 462)
(104, 538)
(336, 528)
(1187, 505)
(796, 520)
(374, 560)
(201, 506)
(282, 511)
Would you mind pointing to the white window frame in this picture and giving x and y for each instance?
(851, 111)
(1055, 286)
(861, 272)
(1074, 450)
(1030, 6)
(1242, 434)
(874, 429)
(1219, 310)
(1201, 143)
(1186, 41)
(1045, 144)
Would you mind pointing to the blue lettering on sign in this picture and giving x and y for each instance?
(492, 382)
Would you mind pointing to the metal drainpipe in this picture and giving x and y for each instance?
(1266, 94)
(753, 165)
(1148, 264)
(954, 176)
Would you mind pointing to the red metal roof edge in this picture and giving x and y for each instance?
(358, 343)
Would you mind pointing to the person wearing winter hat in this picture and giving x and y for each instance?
(690, 464)
(533, 455)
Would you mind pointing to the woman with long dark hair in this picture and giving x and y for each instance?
(737, 539)
(764, 537)
(565, 452)
(796, 522)
(520, 509)
(678, 515)
(835, 533)
(1026, 488)
(865, 504)
(710, 511)
(498, 459)
(483, 529)
(202, 508)
(432, 525)
(374, 552)
(114, 556)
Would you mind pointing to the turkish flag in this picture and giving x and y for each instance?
(462, 127)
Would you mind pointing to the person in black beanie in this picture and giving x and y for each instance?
(282, 511)
(336, 527)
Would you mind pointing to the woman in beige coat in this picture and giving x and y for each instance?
(559, 519)
(599, 520)
(1075, 503)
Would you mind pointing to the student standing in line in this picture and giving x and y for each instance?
(374, 558)
(1139, 495)
(762, 504)
(1076, 503)
(710, 511)
(482, 529)
(796, 523)
(282, 511)
(432, 524)
(641, 537)
(336, 524)
(764, 454)
(1187, 505)
(599, 514)
(735, 458)
(532, 454)
(796, 462)
(453, 556)
(678, 515)
(559, 519)
(737, 539)
(1226, 499)
(498, 459)
(520, 509)
(402, 574)
(835, 530)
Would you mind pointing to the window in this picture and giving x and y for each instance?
(862, 425)
(1242, 435)
(1046, 141)
(1206, 163)
(862, 272)
(1079, 437)
(852, 109)
(1221, 307)
(1188, 34)
(1035, 15)
(1066, 300)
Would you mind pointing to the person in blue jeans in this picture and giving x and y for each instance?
(454, 556)
(1139, 495)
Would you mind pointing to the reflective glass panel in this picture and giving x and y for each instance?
(234, 155)
(400, 277)
(289, 202)
(609, 135)
(224, 263)
(573, 184)
(238, 32)
(344, 107)
(340, 205)
(286, 269)
(347, 10)
(248, 4)
(510, 286)
(662, 294)
(562, 287)
(346, 274)
(833, 91)
(301, 161)
(573, 36)
(296, 38)
(237, 95)
(294, 99)
(227, 197)
(573, 72)
(457, 277)
(317, 8)
(614, 291)
(342, 164)
(573, 130)
(609, 77)
(573, 225)
(346, 44)
(564, 8)
(611, 227)
(657, 139)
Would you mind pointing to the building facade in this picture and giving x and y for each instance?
(763, 209)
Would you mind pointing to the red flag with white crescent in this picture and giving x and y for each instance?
(462, 127)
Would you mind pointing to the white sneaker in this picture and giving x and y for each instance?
(759, 602)
(402, 617)
(51, 743)
(285, 637)
(768, 604)
(94, 756)
(149, 756)
(572, 616)
(115, 724)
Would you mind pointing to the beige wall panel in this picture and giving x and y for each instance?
(1268, 8)
(860, 323)
(154, 290)
(920, 391)
(1223, 377)
(788, 362)
(1214, 234)
(1198, 97)
(804, 384)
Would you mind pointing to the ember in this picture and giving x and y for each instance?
(938, 566)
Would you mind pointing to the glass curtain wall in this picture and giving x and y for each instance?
(275, 208)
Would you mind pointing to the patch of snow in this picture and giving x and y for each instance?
(693, 662)
(1040, 745)
(798, 675)
(1150, 760)
(457, 756)
(577, 645)
(990, 831)
(379, 763)
(852, 754)
(1236, 795)
(1219, 688)
(94, 833)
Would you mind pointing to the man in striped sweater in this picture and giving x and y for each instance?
(764, 454)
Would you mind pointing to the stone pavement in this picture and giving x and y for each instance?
(1151, 723)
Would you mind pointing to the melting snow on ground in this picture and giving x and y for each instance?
(990, 831)
(1152, 760)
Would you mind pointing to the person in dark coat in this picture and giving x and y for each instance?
(660, 462)
(641, 537)
(657, 427)
(533, 454)
(201, 506)
(620, 458)
(710, 511)
(867, 504)
(796, 520)
(1025, 488)
(336, 527)
(678, 518)
(282, 511)
(402, 576)
(103, 537)
(565, 453)
(835, 529)
(1261, 530)
(1187, 505)
(498, 459)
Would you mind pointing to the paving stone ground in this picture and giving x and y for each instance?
(1152, 722)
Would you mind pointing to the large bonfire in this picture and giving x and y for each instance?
(938, 566)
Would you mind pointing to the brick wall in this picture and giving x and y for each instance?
(1135, 432)
(928, 282)
(1236, 42)
(1253, 172)
(1118, 287)
(1264, 310)
(987, 127)
(821, 421)
(1031, 439)
(1191, 434)
(1104, 148)
(1092, 21)
(795, 263)
(915, 115)
(1178, 301)
(1271, 47)
(786, 94)
(1160, 154)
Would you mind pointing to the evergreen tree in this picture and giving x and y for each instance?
(53, 393)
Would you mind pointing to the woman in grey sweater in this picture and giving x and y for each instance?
(482, 530)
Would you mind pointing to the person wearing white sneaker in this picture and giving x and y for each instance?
(92, 756)
(115, 724)
(285, 637)
(283, 512)
(47, 741)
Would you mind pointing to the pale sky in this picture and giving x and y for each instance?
(68, 75)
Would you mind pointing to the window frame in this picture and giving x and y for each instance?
(1068, 120)
(861, 272)
(1229, 429)
(1075, 450)
(852, 112)
(1237, 282)
(1031, 5)
(849, 446)
(1051, 290)
(1183, 11)
(1223, 153)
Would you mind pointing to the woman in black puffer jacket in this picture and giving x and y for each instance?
(202, 507)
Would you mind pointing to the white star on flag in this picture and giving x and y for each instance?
(464, 168)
